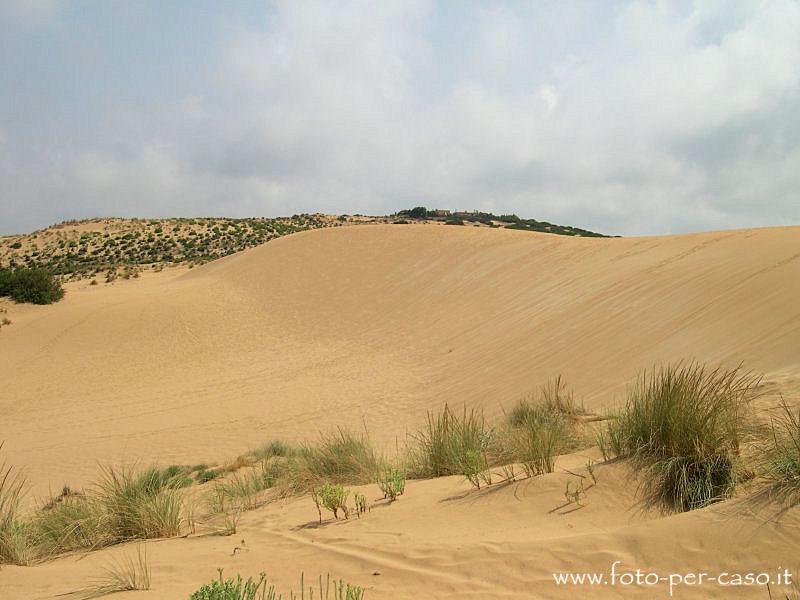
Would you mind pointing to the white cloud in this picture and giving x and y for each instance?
(31, 13)
(646, 118)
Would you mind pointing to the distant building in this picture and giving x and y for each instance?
(439, 212)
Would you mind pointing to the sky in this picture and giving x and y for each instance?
(629, 118)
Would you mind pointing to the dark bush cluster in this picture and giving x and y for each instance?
(509, 221)
(35, 286)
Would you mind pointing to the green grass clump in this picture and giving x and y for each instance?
(137, 506)
(554, 397)
(783, 456)
(683, 426)
(243, 488)
(273, 448)
(452, 444)
(14, 547)
(261, 589)
(537, 438)
(74, 522)
(338, 457)
(537, 430)
(206, 475)
(121, 506)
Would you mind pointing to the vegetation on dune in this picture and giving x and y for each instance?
(123, 574)
(332, 497)
(32, 285)
(683, 425)
(261, 589)
(392, 483)
(490, 220)
(123, 505)
(536, 431)
(122, 247)
(782, 467)
(450, 443)
(13, 549)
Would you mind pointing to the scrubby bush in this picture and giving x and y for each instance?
(683, 426)
(35, 286)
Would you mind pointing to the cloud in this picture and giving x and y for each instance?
(32, 14)
(628, 118)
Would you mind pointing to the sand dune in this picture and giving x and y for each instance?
(375, 325)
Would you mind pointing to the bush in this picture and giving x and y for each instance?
(683, 426)
(35, 286)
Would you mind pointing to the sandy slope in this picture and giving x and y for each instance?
(375, 325)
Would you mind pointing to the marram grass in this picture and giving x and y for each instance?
(683, 426)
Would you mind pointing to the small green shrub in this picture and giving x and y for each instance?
(261, 589)
(360, 501)
(392, 484)
(332, 497)
(683, 426)
(228, 589)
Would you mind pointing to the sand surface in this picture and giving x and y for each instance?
(372, 326)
